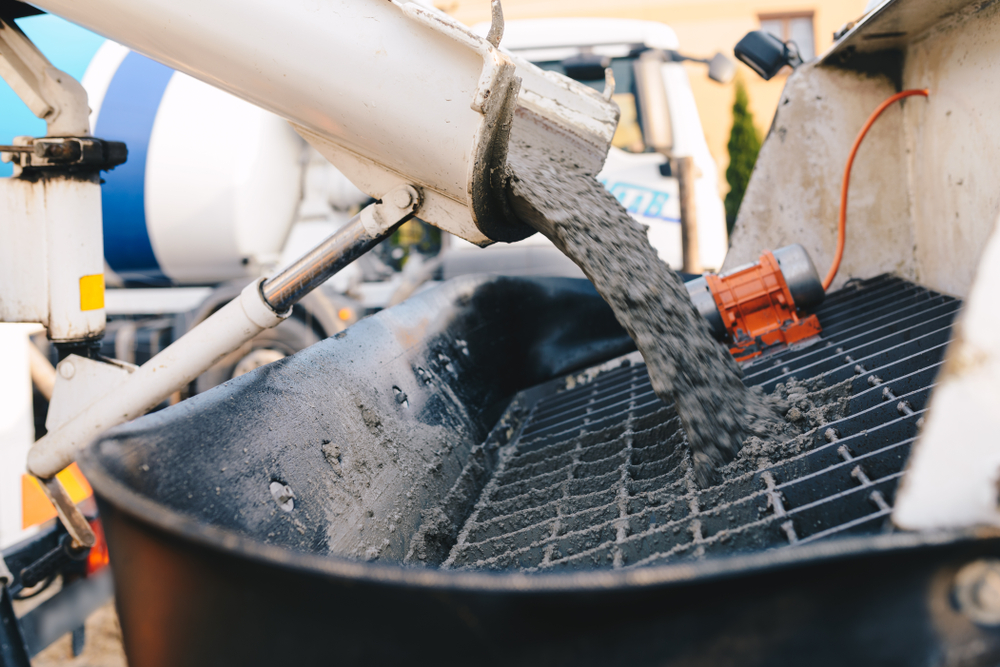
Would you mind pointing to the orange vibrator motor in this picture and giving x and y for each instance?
(757, 306)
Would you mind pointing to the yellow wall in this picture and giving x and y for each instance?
(703, 28)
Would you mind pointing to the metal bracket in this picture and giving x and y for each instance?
(609, 84)
(51, 94)
(70, 515)
(64, 153)
(81, 382)
(393, 208)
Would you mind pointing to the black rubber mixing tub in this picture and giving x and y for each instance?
(264, 521)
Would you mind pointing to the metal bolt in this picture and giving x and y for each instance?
(977, 591)
(67, 370)
(402, 198)
(283, 495)
(400, 396)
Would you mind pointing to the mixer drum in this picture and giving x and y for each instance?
(239, 169)
(266, 521)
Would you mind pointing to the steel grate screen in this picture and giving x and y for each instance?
(596, 476)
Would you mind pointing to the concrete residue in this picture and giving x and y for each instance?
(367, 456)
(806, 406)
(440, 525)
(626, 496)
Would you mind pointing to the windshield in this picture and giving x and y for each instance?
(628, 135)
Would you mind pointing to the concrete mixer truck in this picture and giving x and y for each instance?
(486, 471)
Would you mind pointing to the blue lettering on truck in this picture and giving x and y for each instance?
(642, 201)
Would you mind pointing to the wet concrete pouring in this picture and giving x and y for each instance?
(686, 365)
(653, 487)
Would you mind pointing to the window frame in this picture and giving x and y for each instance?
(786, 18)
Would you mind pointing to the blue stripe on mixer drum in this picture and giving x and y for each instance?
(127, 114)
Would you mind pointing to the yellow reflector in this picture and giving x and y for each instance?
(92, 292)
(345, 314)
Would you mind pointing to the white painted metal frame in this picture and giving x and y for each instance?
(51, 227)
(953, 477)
(52, 237)
(143, 389)
(51, 94)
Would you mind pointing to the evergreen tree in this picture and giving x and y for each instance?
(744, 144)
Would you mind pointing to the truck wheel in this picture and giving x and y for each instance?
(268, 346)
(256, 359)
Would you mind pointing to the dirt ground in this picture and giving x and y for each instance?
(103, 647)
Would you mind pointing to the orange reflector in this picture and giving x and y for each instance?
(35, 505)
(345, 314)
(98, 557)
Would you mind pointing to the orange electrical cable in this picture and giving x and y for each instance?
(842, 223)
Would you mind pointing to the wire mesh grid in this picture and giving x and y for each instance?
(598, 477)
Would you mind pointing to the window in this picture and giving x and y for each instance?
(795, 27)
(628, 135)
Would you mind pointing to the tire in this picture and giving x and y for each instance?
(285, 339)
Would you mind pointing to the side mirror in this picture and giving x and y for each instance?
(721, 69)
(766, 54)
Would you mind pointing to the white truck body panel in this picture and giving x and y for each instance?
(17, 430)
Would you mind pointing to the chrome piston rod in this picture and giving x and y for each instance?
(365, 231)
(315, 267)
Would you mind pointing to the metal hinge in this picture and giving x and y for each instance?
(62, 153)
